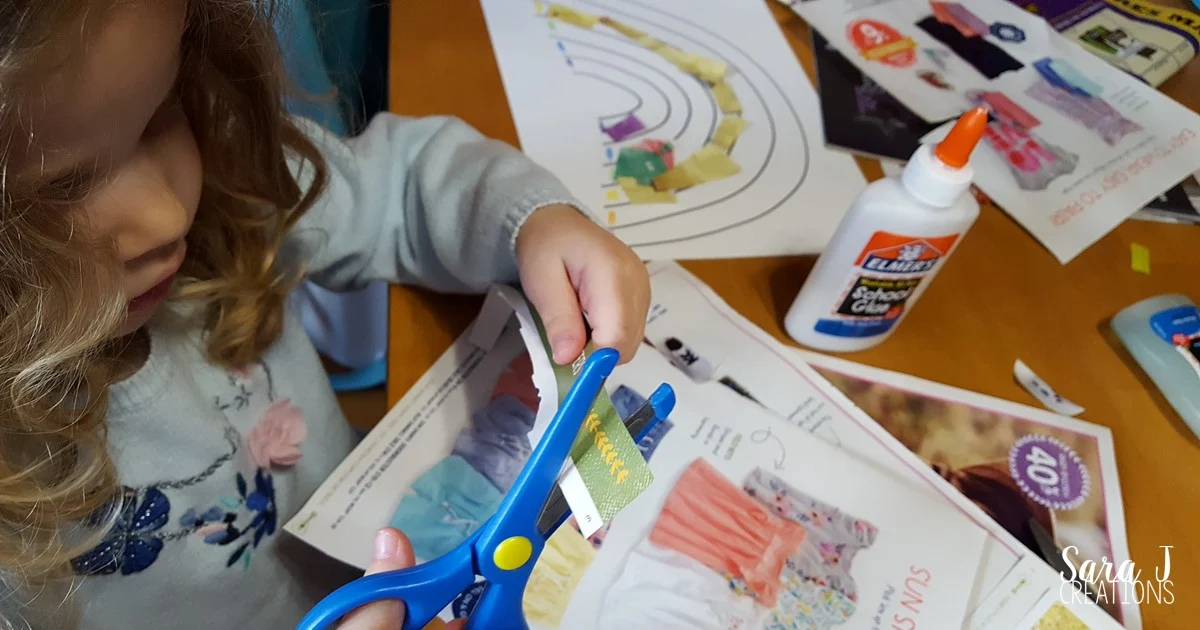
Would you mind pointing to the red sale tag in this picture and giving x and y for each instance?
(880, 42)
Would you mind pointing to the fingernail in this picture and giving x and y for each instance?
(562, 350)
(386, 545)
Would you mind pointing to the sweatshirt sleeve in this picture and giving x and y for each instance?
(425, 201)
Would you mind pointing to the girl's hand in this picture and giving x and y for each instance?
(570, 266)
(392, 552)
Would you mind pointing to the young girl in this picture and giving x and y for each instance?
(161, 413)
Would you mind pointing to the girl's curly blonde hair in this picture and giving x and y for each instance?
(59, 301)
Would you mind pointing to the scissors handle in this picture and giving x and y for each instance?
(425, 589)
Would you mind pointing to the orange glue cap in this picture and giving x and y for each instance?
(955, 150)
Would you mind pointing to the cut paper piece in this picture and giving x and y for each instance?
(640, 165)
(638, 194)
(649, 42)
(1043, 392)
(1139, 258)
(624, 128)
(622, 28)
(728, 131)
(612, 195)
(702, 68)
(572, 16)
(726, 100)
(708, 164)
(1059, 617)
(664, 149)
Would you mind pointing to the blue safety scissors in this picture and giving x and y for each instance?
(504, 550)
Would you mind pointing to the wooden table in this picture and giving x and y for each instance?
(1001, 297)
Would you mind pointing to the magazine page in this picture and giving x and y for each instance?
(1074, 147)
(715, 346)
(977, 442)
(1148, 40)
(753, 523)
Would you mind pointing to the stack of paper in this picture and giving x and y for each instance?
(772, 492)
(1075, 145)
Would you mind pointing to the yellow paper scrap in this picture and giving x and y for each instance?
(649, 42)
(708, 164)
(627, 182)
(1140, 258)
(538, 7)
(726, 100)
(1059, 618)
(707, 69)
(571, 16)
(639, 194)
(622, 28)
(702, 68)
(613, 196)
(728, 131)
(612, 217)
(646, 194)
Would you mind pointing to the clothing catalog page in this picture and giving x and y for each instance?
(752, 523)
(1074, 146)
(715, 347)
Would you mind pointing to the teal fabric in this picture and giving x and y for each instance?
(313, 93)
(445, 506)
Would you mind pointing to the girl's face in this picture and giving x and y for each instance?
(111, 116)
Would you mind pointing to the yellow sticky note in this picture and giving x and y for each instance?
(708, 164)
(571, 16)
(622, 28)
(613, 196)
(728, 131)
(726, 100)
(1139, 258)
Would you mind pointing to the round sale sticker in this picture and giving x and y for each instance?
(1049, 472)
(877, 41)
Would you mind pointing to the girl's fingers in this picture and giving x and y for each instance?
(549, 288)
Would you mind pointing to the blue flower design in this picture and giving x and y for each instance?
(260, 502)
(133, 544)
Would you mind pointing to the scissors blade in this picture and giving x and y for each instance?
(555, 510)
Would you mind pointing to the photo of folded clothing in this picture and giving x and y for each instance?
(708, 518)
(445, 506)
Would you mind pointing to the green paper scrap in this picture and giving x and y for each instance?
(639, 164)
(609, 462)
(1139, 258)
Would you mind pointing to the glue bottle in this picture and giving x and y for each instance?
(893, 240)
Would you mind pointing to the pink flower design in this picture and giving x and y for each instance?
(210, 529)
(242, 374)
(276, 439)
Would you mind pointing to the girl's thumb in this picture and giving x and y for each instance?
(393, 551)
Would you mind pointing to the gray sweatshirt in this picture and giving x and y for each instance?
(214, 462)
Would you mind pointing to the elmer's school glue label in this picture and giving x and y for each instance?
(887, 272)
(891, 243)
